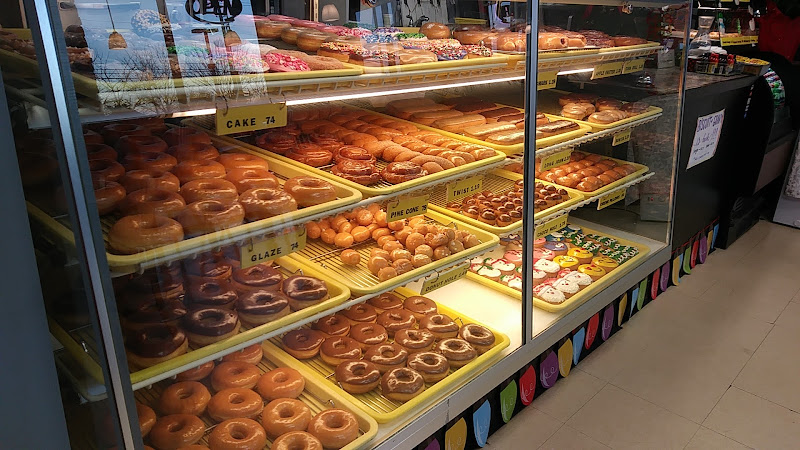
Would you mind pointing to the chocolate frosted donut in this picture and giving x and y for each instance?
(304, 291)
(209, 325)
(333, 325)
(164, 283)
(213, 293)
(210, 265)
(155, 312)
(258, 277)
(259, 307)
(154, 344)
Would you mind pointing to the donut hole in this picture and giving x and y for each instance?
(280, 378)
(237, 399)
(210, 288)
(184, 394)
(334, 421)
(404, 376)
(429, 360)
(388, 353)
(286, 413)
(176, 426)
(212, 207)
(239, 433)
(359, 370)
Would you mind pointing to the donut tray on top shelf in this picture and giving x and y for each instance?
(316, 395)
(74, 339)
(499, 182)
(373, 403)
(577, 299)
(359, 279)
(498, 60)
(548, 103)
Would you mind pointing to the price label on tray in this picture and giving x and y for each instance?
(551, 226)
(634, 65)
(610, 198)
(273, 247)
(556, 159)
(448, 276)
(737, 40)
(606, 70)
(250, 118)
(621, 137)
(546, 80)
(463, 188)
(407, 207)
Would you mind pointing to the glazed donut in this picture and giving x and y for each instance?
(133, 180)
(239, 434)
(211, 293)
(184, 397)
(106, 170)
(309, 153)
(387, 356)
(368, 334)
(156, 125)
(141, 144)
(147, 418)
(457, 351)
(603, 117)
(177, 431)
(414, 341)
(420, 306)
(435, 30)
(360, 313)
(92, 137)
(432, 366)
(624, 41)
(153, 201)
(309, 41)
(283, 382)
(269, 29)
(402, 384)
(107, 195)
(161, 162)
(401, 171)
(304, 291)
(100, 151)
(195, 169)
(395, 320)
(604, 104)
(193, 151)
(284, 415)
(385, 302)
(634, 108)
(246, 179)
(208, 216)
(361, 172)
(197, 373)
(333, 325)
(290, 34)
(242, 161)
(185, 135)
(234, 374)
(261, 277)
(258, 307)
(296, 440)
(232, 403)
(208, 325)
(337, 349)
(134, 234)
(440, 325)
(303, 343)
(334, 427)
(209, 189)
(112, 132)
(309, 191)
(262, 203)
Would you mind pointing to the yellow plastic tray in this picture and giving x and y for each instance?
(373, 403)
(631, 47)
(499, 181)
(316, 395)
(642, 169)
(495, 59)
(382, 188)
(507, 149)
(361, 281)
(131, 263)
(338, 294)
(582, 296)
(549, 102)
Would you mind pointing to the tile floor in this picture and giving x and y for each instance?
(711, 364)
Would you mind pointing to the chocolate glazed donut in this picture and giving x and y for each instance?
(260, 307)
(209, 325)
(257, 278)
(211, 292)
(154, 344)
(304, 291)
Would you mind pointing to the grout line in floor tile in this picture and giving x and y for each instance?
(654, 403)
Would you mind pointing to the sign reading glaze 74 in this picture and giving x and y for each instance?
(214, 11)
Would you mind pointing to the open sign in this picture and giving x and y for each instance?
(214, 11)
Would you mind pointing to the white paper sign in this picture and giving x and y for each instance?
(706, 138)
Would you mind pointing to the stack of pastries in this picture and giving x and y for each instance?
(400, 346)
(556, 38)
(166, 184)
(203, 300)
(587, 173)
(357, 141)
(592, 108)
(500, 209)
(244, 407)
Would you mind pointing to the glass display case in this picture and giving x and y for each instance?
(366, 214)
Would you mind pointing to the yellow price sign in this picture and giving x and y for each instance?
(546, 80)
(463, 188)
(634, 65)
(251, 118)
(407, 207)
(737, 40)
(621, 137)
(606, 70)
(272, 247)
(555, 160)
(610, 198)
(443, 279)
(551, 226)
